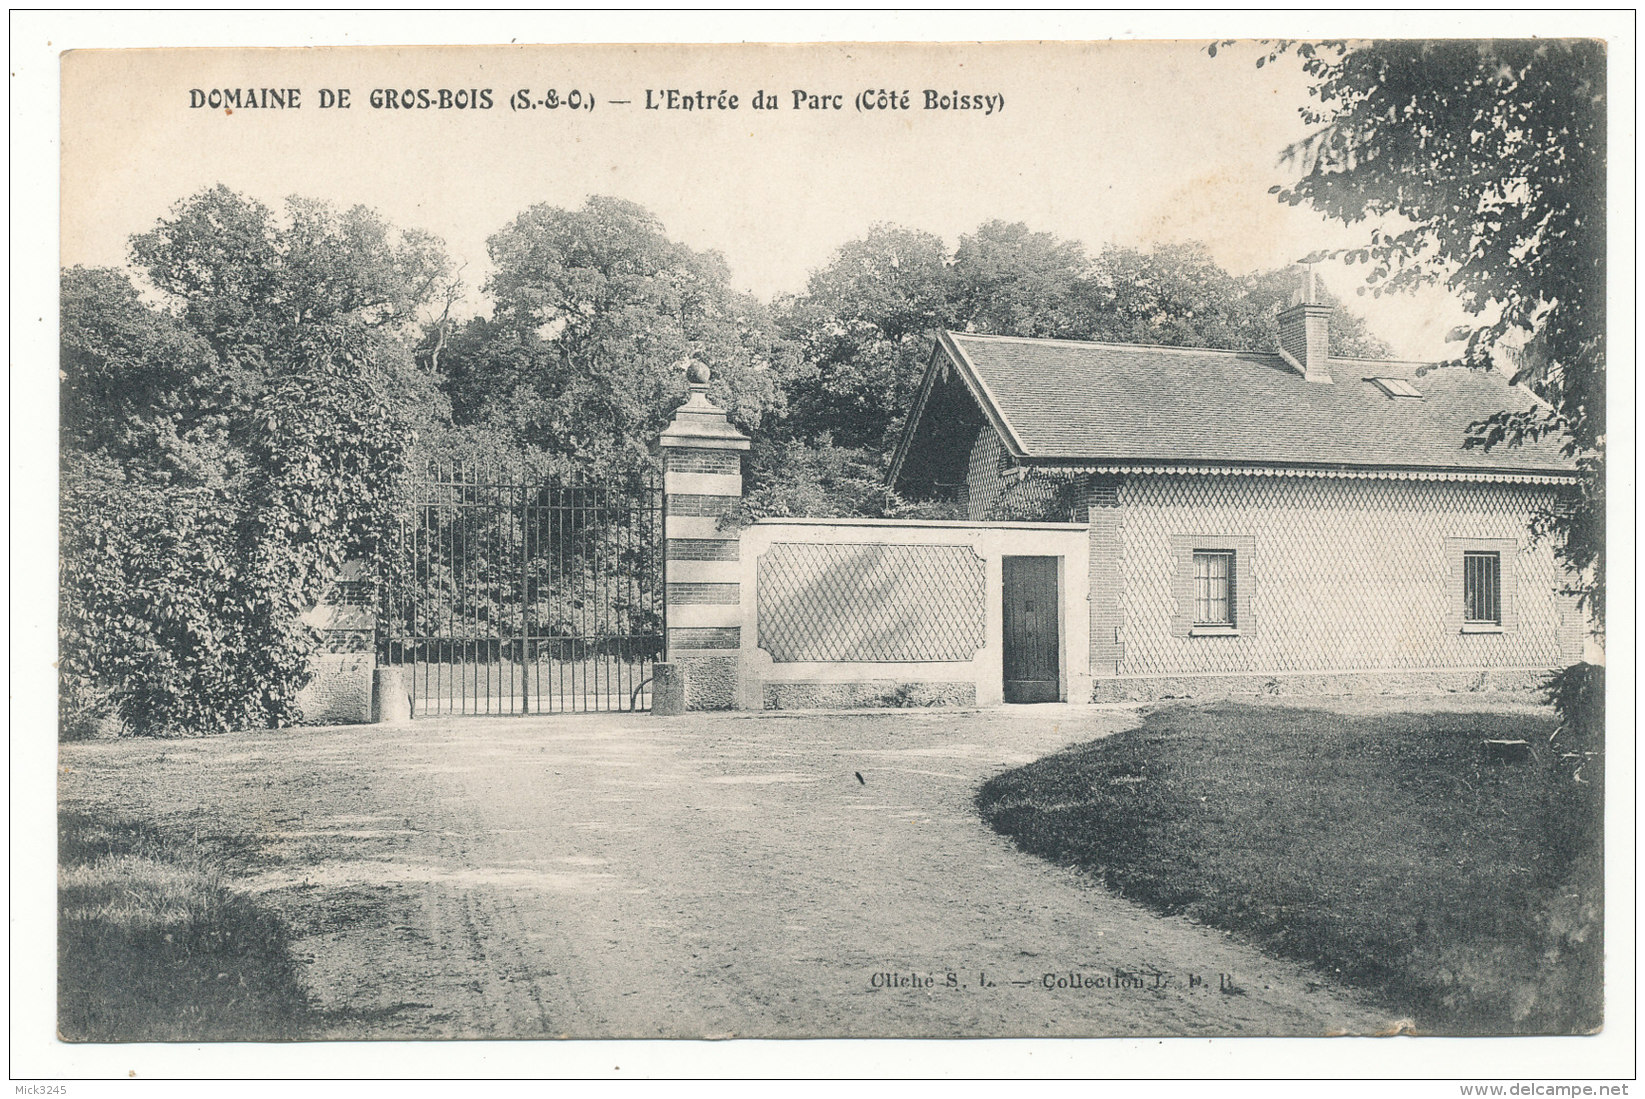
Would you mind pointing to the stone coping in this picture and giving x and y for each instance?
(949, 524)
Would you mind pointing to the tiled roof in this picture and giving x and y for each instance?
(1066, 402)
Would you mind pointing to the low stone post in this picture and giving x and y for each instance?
(390, 696)
(702, 481)
(667, 688)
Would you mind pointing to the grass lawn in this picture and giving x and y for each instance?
(1387, 850)
(153, 946)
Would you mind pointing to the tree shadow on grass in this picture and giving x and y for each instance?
(154, 946)
(1402, 852)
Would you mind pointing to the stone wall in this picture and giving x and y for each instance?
(869, 694)
(339, 692)
(840, 613)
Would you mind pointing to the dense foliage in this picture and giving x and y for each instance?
(1578, 694)
(1488, 159)
(137, 383)
(186, 601)
(862, 329)
(223, 453)
(152, 621)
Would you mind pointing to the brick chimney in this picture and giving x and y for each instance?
(1305, 331)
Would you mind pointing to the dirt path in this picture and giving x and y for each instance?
(714, 875)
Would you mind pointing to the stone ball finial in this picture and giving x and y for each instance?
(697, 373)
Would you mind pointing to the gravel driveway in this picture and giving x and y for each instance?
(710, 875)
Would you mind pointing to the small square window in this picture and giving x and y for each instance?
(1482, 589)
(1213, 588)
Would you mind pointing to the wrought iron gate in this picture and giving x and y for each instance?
(512, 596)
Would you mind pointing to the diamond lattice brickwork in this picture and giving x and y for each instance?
(984, 484)
(833, 602)
(1345, 575)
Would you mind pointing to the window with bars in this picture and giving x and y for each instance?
(1482, 589)
(1213, 588)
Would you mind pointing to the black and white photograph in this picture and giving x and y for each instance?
(1038, 536)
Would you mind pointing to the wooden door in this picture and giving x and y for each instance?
(1031, 603)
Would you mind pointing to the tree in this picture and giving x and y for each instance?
(244, 277)
(249, 282)
(862, 333)
(1489, 160)
(1009, 280)
(226, 448)
(594, 312)
(136, 382)
(1175, 294)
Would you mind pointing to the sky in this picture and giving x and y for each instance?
(1133, 143)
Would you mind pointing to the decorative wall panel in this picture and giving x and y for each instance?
(870, 602)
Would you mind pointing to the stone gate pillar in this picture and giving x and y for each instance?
(702, 481)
